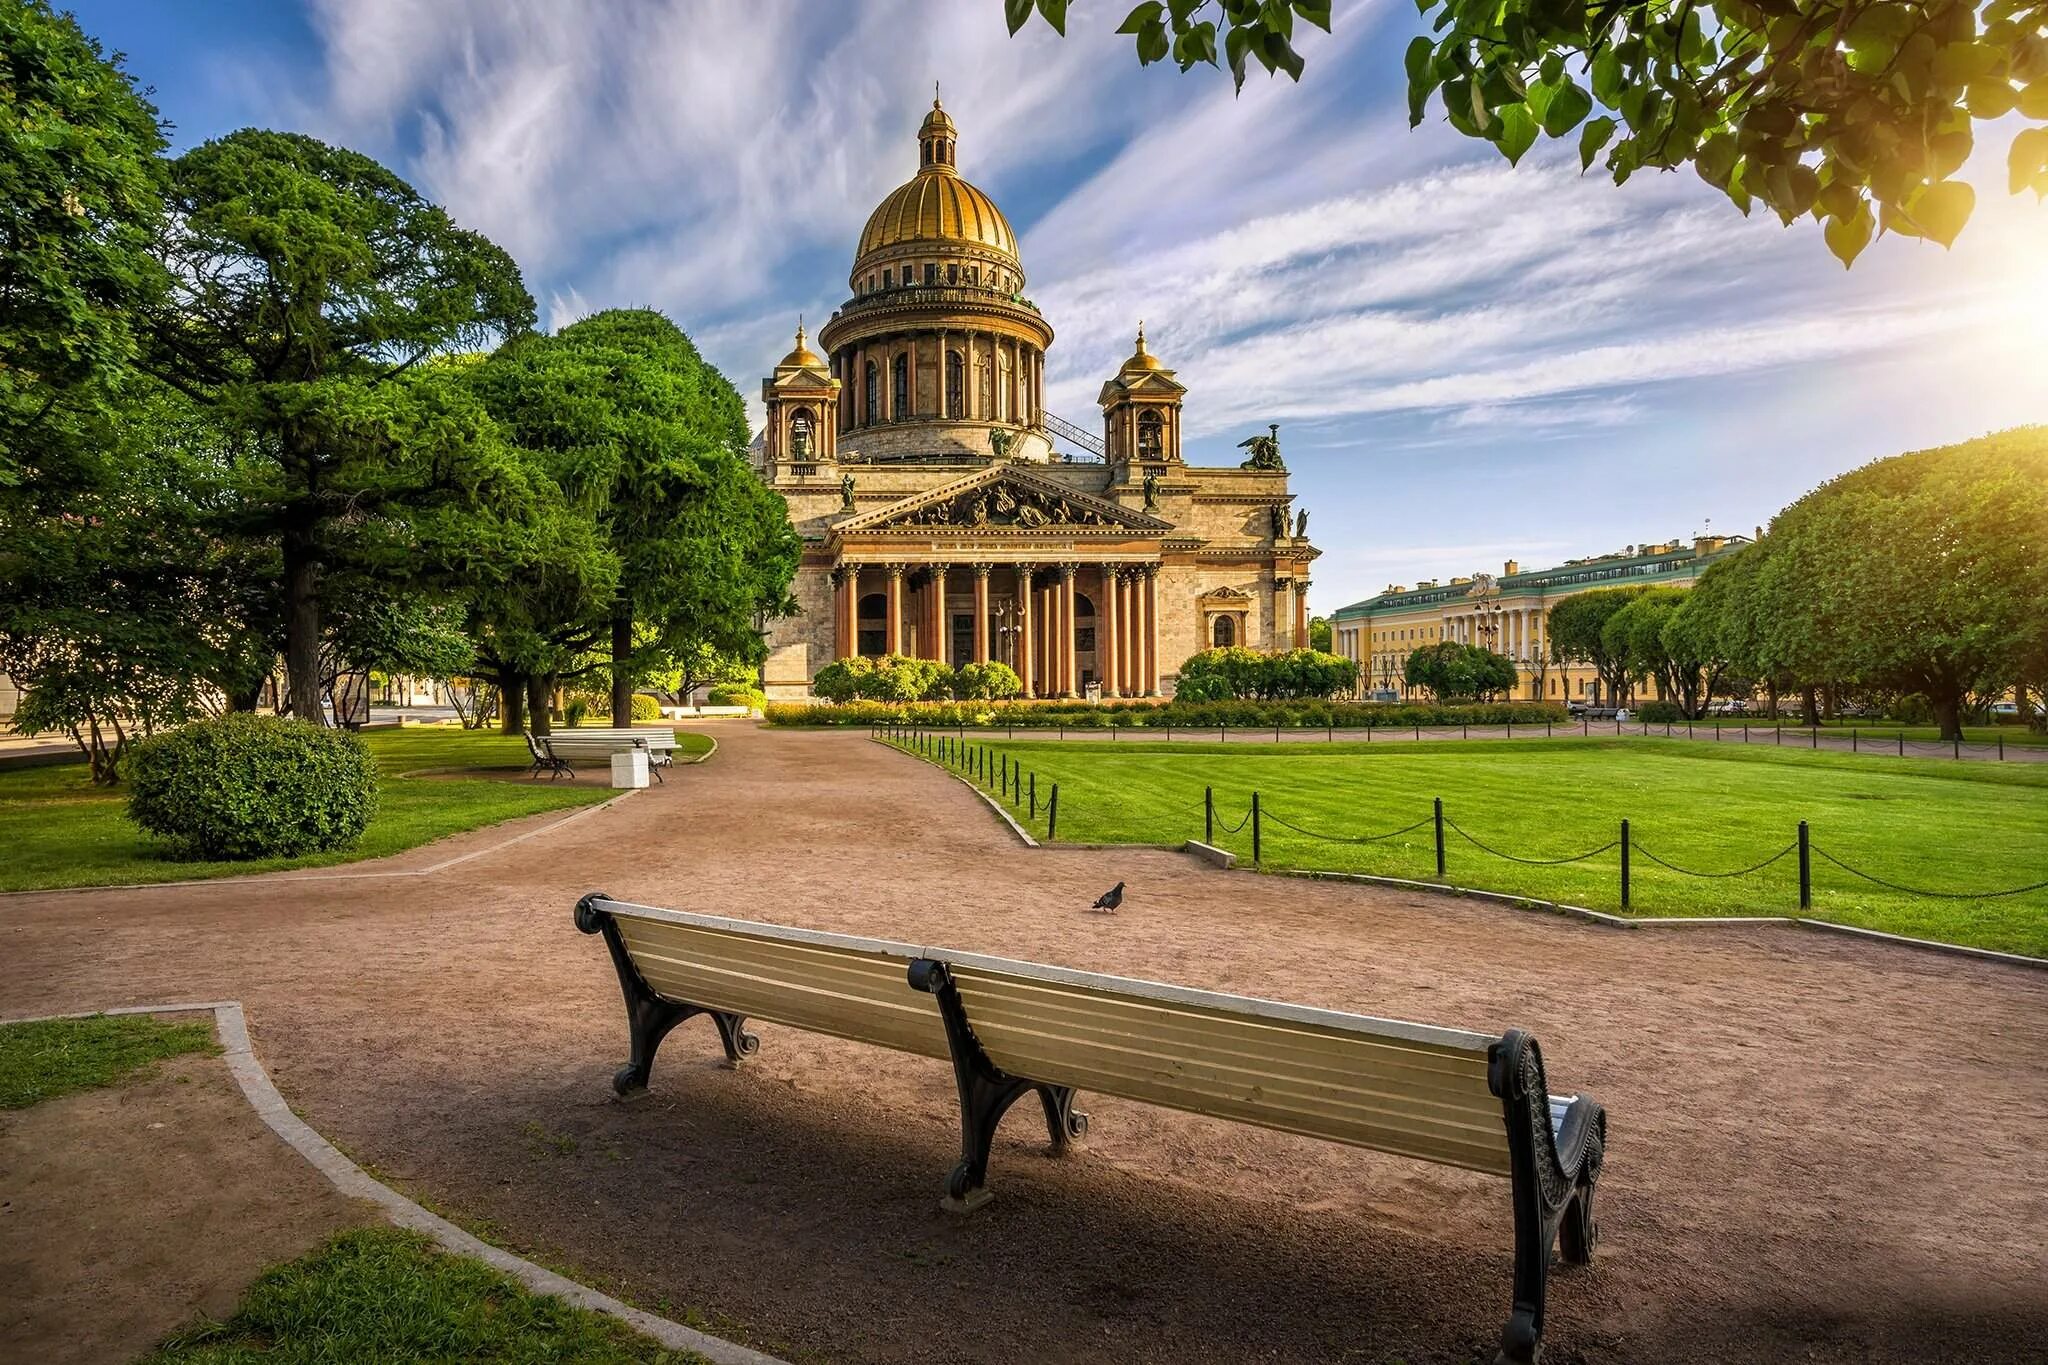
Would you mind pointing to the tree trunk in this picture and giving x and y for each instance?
(512, 720)
(301, 623)
(1810, 698)
(622, 677)
(1771, 697)
(537, 718)
(1948, 713)
(243, 698)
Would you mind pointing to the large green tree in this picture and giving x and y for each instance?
(1659, 638)
(1856, 112)
(644, 440)
(308, 286)
(1924, 572)
(80, 198)
(1577, 630)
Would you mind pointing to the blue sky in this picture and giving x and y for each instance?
(1469, 362)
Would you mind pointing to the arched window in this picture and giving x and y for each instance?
(800, 435)
(899, 407)
(873, 390)
(956, 383)
(984, 388)
(1224, 635)
(1148, 434)
(872, 623)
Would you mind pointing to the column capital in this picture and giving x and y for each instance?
(1149, 570)
(982, 570)
(894, 570)
(1067, 571)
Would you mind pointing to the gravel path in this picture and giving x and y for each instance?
(1821, 1150)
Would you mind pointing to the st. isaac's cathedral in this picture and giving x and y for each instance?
(940, 519)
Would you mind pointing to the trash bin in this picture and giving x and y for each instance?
(629, 769)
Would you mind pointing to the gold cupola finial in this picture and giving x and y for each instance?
(802, 355)
(1142, 359)
(936, 138)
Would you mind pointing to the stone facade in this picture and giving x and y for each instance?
(941, 519)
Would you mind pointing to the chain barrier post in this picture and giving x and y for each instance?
(1209, 816)
(1255, 829)
(1034, 796)
(2001, 748)
(1805, 869)
(1439, 838)
(1052, 814)
(1902, 744)
(1854, 742)
(1959, 747)
(1624, 864)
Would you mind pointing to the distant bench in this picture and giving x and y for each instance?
(562, 750)
(1434, 1094)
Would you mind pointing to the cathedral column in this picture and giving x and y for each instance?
(838, 613)
(1301, 613)
(1070, 652)
(1048, 657)
(1133, 643)
(1107, 633)
(943, 629)
(981, 613)
(1025, 620)
(850, 575)
(892, 624)
(1149, 632)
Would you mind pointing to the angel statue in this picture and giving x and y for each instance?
(1265, 450)
(1279, 515)
(846, 492)
(1151, 490)
(1301, 525)
(999, 439)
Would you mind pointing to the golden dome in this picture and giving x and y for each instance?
(803, 355)
(937, 206)
(1142, 359)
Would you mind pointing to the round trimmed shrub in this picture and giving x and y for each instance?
(1660, 712)
(645, 709)
(736, 694)
(247, 786)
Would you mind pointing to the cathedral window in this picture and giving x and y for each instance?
(956, 383)
(1148, 434)
(899, 406)
(888, 279)
(952, 274)
(931, 272)
(1225, 633)
(874, 393)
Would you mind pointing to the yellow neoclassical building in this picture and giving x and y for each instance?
(1507, 615)
(945, 514)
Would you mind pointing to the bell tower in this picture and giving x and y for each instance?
(802, 399)
(1141, 411)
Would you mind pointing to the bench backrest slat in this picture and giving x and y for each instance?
(1427, 1100)
(851, 989)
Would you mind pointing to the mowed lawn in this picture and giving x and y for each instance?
(59, 830)
(1926, 824)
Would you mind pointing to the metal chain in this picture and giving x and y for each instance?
(1532, 862)
(1232, 829)
(1637, 845)
(1915, 891)
(1345, 838)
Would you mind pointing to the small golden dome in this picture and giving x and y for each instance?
(1142, 359)
(937, 206)
(803, 355)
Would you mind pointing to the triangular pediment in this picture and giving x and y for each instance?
(1007, 497)
(802, 377)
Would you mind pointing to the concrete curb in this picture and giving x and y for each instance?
(352, 1180)
(1209, 853)
(1933, 945)
(997, 806)
(246, 878)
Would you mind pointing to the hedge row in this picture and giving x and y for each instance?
(1075, 715)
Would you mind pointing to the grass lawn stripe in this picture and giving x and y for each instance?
(1926, 824)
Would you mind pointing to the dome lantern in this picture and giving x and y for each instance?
(936, 138)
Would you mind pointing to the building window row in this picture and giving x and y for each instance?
(934, 272)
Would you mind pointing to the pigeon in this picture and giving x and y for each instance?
(1109, 900)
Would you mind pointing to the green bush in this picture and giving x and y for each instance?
(986, 682)
(1135, 714)
(247, 786)
(1660, 713)
(645, 709)
(1913, 709)
(1296, 674)
(574, 712)
(736, 694)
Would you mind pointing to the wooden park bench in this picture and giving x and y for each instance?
(596, 745)
(1011, 1028)
(546, 760)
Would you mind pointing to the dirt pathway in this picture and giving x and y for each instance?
(1821, 1150)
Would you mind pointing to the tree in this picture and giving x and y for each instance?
(1576, 628)
(1321, 637)
(1923, 572)
(1854, 113)
(1656, 638)
(1453, 671)
(307, 286)
(645, 432)
(81, 195)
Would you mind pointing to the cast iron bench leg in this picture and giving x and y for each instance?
(1553, 1172)
(649, 1017)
